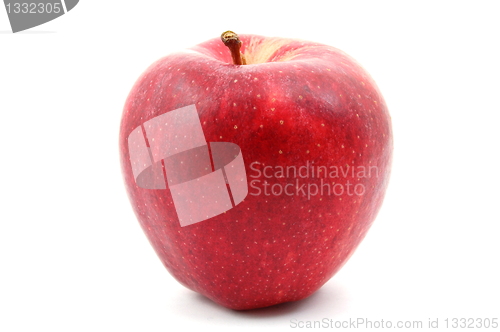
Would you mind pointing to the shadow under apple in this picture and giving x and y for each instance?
(330, 299)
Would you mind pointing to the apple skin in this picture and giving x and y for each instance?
(302, 102)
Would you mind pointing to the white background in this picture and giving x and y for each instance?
(72, 255)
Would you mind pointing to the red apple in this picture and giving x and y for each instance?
(315, 149)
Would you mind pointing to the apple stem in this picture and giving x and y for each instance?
(233, 42)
